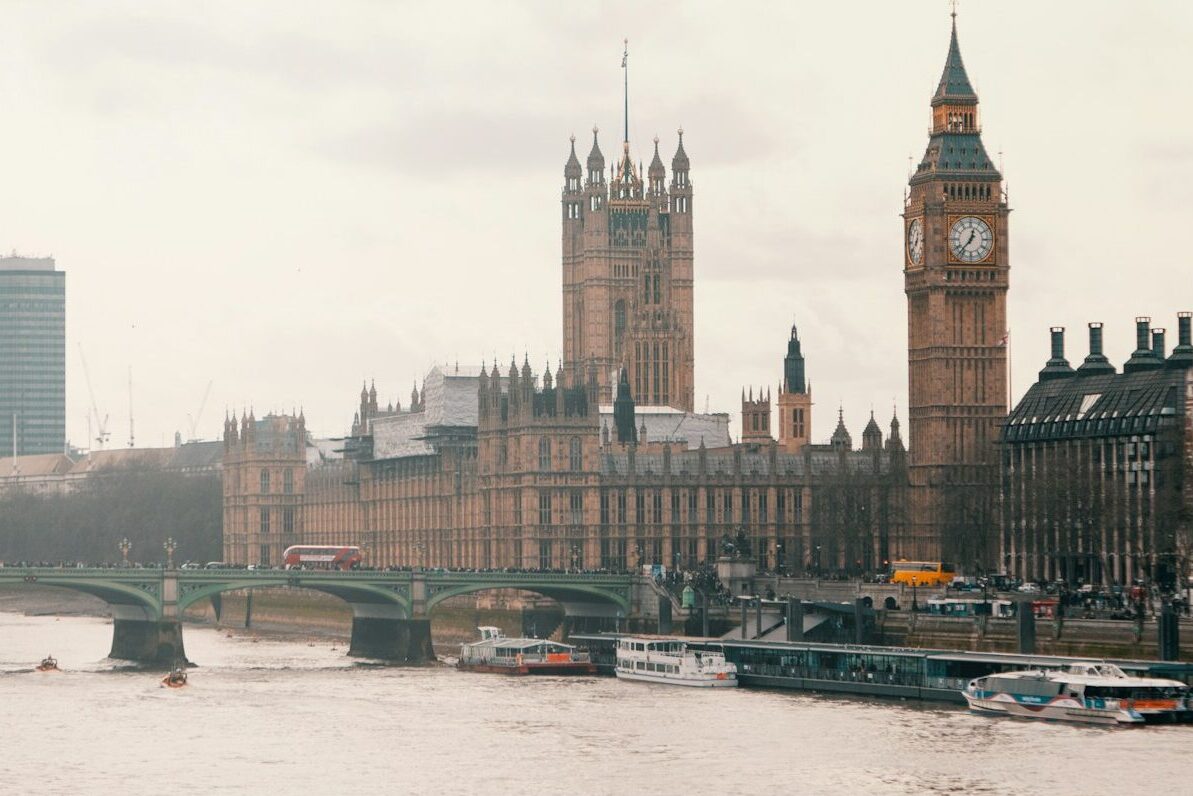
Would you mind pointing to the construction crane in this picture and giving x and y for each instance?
(193, 422)
(102, 425)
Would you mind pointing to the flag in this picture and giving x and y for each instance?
(625, 54)
(1006, 337)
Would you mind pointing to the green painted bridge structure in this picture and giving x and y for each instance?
(390, 610)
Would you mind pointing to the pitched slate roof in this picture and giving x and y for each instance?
(957, 153)
(1103, 405)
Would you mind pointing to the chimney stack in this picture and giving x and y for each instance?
(1158, 343)
(1057, 367)
(1182, 354)
(1141, 357)
(1096, 364)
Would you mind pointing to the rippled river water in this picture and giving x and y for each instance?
(284, 716)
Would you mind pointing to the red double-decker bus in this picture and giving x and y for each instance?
(305, 556)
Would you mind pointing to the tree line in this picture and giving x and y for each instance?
(87, 523)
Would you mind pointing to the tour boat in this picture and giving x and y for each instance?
(665, 660)
(1098, 693)
(48, 664)
(176, 678)
(496, 653)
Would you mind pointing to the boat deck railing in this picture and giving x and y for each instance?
(575, 657)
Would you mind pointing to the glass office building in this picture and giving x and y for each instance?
(32, 356)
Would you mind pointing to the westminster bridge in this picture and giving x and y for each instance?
(391, 611)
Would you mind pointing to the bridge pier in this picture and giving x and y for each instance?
(151, 641)
(399, 640)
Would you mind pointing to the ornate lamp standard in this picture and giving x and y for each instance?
(915, 605)
(124, 546)
(169, 546)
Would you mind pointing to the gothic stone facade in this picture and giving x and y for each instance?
(528, 475)
(627, 276)
(534, 483)
(264, 474)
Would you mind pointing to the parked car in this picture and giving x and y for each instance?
(1029, 588)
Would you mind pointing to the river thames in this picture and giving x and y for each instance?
(280, 715)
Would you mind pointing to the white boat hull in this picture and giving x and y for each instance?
(1057, 709)
(692, 682)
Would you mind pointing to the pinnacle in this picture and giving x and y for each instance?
(954, 82)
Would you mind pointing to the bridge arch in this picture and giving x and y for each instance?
(365, 599)
(129, 598)
(576, 598)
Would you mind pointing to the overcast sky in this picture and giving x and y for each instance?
(284, 198)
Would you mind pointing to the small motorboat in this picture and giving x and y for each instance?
(48, 664)
(176, 678)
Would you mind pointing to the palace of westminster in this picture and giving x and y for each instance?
(605, 463)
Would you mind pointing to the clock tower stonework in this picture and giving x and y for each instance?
(956, 268)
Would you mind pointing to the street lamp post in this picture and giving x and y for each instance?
(124, 546)
(169, 546)
(915, 605)
(575, 556)
(422, 550)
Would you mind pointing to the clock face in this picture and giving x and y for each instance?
(971, 239)
(915, 241)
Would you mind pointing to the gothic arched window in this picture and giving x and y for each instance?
(544, 454)
(264, 482)
(575, 458)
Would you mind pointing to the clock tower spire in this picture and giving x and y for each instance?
(956, 268)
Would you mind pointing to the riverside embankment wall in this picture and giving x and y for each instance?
(1073, 637)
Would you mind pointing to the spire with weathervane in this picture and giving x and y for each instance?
(627, 181)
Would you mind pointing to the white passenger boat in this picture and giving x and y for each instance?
(1098, 693)
(659, 660)
(495, 653)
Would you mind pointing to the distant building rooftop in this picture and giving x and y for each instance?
(667, 424)
(17, 263)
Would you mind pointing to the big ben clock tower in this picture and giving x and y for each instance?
(955, 265)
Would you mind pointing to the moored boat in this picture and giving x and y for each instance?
(497, 654)
(667, 660)
(1094, 693)
(48, 664)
